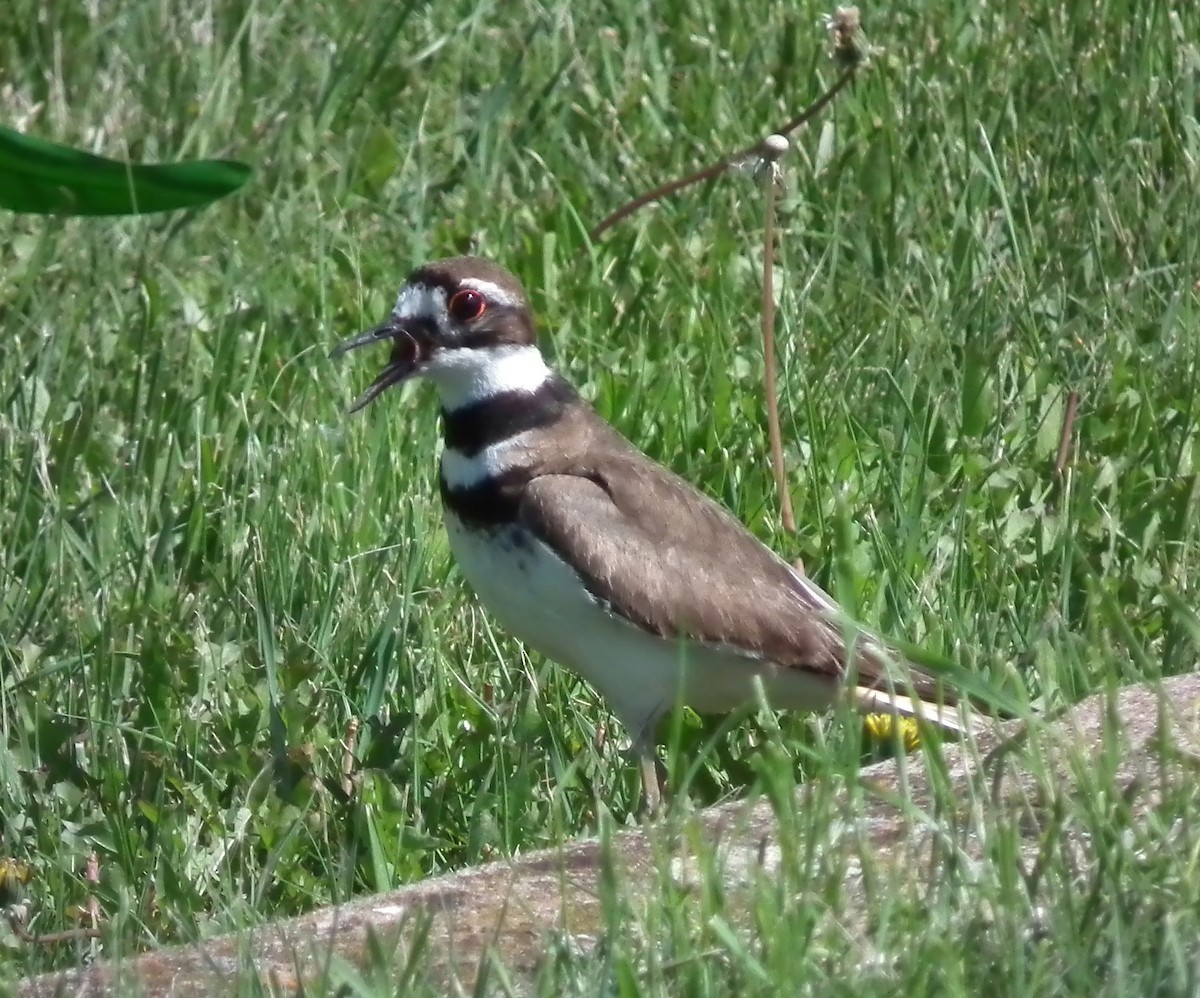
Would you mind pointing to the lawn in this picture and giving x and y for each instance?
(209, 574)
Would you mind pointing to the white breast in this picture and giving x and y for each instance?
(541, 600)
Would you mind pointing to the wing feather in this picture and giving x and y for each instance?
(670, 559)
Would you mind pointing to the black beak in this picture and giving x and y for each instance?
(407, 355)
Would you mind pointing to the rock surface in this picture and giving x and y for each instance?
(1127, 747)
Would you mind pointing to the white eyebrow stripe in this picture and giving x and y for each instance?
(492, 292)
(420, 300)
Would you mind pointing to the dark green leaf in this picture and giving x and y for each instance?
(45, 178)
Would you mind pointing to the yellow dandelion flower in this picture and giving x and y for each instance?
(888, 727)
(14, 875)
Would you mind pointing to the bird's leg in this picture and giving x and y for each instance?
(653, 775)
(653, 772)
(654, 780)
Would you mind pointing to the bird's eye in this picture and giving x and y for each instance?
(466, 305)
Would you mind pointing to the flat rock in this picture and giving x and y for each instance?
(891, 821)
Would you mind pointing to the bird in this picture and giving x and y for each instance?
(600, 558)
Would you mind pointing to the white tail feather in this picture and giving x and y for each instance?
(954, 719)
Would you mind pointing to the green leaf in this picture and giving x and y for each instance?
(45, 178)
(1050, 429)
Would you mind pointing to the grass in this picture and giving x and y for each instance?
(207, 571)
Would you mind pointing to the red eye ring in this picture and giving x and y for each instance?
(467, 304)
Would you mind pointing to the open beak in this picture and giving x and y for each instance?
(407, 356)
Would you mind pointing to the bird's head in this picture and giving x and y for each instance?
(463, 323)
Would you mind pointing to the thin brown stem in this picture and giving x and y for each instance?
(1067, 438)
(16, 921)
(723, 164)
(349, 746)
(93, 879)
(770, 381)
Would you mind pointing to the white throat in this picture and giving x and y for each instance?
(464, 376)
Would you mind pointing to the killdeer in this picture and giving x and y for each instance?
(599, 558)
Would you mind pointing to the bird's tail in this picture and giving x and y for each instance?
(879, 669)
(953, 718)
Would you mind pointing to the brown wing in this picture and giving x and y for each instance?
(711, 580)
